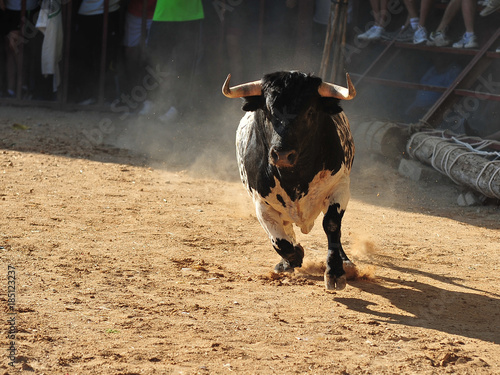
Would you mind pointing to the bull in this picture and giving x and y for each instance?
(295, 152)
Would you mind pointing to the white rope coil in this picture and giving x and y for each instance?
(444, 149)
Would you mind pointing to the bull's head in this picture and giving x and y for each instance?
(294, 106)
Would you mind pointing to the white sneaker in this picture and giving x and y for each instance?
(466, 42)
(490, 6)
(420, 35)
(170, 115)
(498, 49)
(147, 108)
(438, 39)
(373, 33)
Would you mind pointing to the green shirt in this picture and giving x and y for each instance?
(178, 10)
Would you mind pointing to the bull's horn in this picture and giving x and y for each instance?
(331, 90)
(247, 89)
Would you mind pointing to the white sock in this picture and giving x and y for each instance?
(414, 23)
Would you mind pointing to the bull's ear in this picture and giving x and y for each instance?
(253, 103)
(331, 105)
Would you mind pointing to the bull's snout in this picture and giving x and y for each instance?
(283, 159)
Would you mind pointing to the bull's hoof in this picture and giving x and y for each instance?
(283, 266)
(335, 282)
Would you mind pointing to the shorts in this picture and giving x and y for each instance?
(12, 19)
(3, 26)
(132, 33)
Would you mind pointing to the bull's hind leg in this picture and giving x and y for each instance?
(335, 277)
(282, 237)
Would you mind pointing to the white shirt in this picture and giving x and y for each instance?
(92, 7)
(16, 4)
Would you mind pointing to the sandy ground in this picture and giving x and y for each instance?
(152, 262)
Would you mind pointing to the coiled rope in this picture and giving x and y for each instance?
(445, 165)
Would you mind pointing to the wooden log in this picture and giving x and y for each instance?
(380, 137)
(463, 166)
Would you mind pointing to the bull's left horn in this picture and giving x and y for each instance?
(246, 89)
(331, 90)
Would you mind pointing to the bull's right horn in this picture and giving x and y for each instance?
(330, 90)
(246, 89)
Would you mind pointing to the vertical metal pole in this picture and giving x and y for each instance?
(328, 45)
(144, 31)
(104, 45)
(68, 12)
(20, 56)
(262, 12)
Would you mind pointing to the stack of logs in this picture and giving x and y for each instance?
(464, 160)
(333, 51)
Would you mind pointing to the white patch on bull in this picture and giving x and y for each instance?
(242, 136)
(272, 221)
(324, 190)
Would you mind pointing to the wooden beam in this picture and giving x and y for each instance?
(442, 101)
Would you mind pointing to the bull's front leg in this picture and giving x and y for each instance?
(291, 255)
(282, 237)
(335, 277)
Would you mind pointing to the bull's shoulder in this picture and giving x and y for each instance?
(252, 151)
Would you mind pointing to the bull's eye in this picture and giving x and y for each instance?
(310, 113)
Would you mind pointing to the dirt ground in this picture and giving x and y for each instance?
(151, 262)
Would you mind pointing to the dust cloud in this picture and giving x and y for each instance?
(355, 272)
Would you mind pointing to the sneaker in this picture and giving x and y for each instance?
(498, 49)
(438, 39)
(388, 35)
(406, 34)
(490, 6)
(420, 35)
(88, 101)
(466, 42)
(169, 116)
(147, 108)
(373, 33)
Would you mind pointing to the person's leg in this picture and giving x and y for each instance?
(375, 4)
(187, 56)
(449, 14)
(425, 7)
(411, 8)
(12, 52)
(469, 39)
(469, 12)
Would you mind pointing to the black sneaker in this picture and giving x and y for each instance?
(406, 35)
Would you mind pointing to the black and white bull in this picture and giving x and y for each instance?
(295, 153)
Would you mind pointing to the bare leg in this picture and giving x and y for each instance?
(425, 8)
(412, 8)
(468, 12)
(451, 11)
(12, 59)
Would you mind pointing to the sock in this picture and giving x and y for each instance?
(414, 23)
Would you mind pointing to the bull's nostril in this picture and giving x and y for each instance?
(292, 157)
(274, 156)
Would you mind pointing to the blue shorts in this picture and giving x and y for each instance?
(132, 33)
